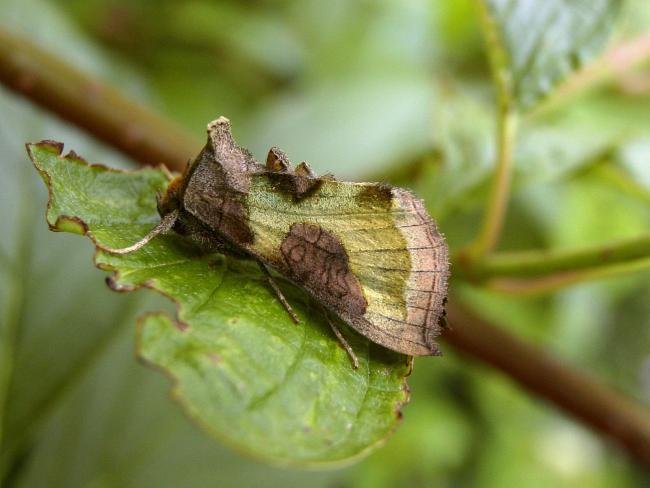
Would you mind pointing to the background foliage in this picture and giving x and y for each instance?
(360, 89)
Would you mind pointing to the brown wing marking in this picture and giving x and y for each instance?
(217, 182)
(316, 259)
(235, 161)
(209, 198)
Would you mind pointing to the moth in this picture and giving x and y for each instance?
(368, 253)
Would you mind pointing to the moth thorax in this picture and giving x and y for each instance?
(170, 200)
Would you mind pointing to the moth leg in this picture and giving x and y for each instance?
(346, 345)
(278, 292)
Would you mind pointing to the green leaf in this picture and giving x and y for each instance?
(539, 44)
(240, 367)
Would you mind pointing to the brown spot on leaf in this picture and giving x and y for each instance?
(115, 286)
(57, 146)
(74, 156)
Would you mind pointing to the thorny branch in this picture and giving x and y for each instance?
(148, 138)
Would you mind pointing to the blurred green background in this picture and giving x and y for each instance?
(366, 89)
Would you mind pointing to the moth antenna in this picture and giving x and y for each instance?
(165, 224)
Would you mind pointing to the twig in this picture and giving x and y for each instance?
(577, 393)
(535, 272)
(546, 264)
(554, 282)
(88, 103)
(506, 133)
(593, 403)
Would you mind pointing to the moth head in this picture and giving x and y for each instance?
(221, 148)
(170, 200)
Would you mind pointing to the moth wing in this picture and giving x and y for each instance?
(369, 252)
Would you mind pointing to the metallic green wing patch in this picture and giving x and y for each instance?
(393, 250)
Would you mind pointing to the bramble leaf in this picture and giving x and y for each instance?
(240, 367)
(539, 44)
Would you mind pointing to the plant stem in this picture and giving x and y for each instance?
(577, 393)
(500, 188)
(554, 282)
(495, 211)
(544, 263)
(86, 102)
